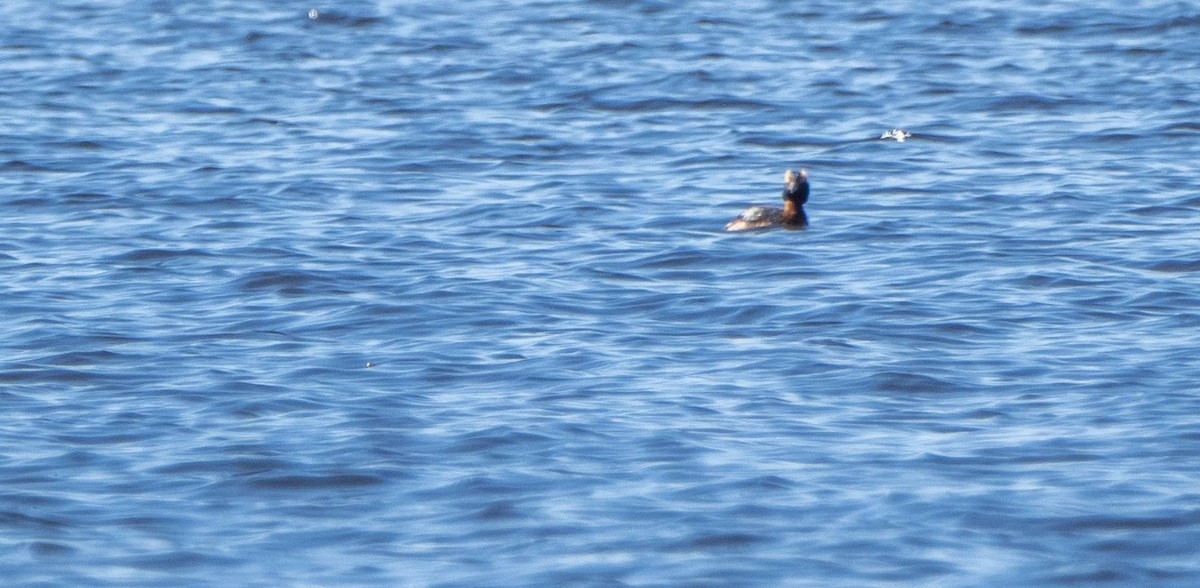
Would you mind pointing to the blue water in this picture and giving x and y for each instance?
(406, 293)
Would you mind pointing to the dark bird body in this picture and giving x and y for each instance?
(791, 216)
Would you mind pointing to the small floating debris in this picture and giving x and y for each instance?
(896, 134)
(314, 14)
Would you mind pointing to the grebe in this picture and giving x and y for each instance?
(791, 216)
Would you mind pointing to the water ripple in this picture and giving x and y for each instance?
(411, 294)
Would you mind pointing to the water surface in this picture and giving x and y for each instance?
(416, 293)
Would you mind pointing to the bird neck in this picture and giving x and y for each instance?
(790, 211)
(793, 214)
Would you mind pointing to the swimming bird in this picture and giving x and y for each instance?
(791, 216)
